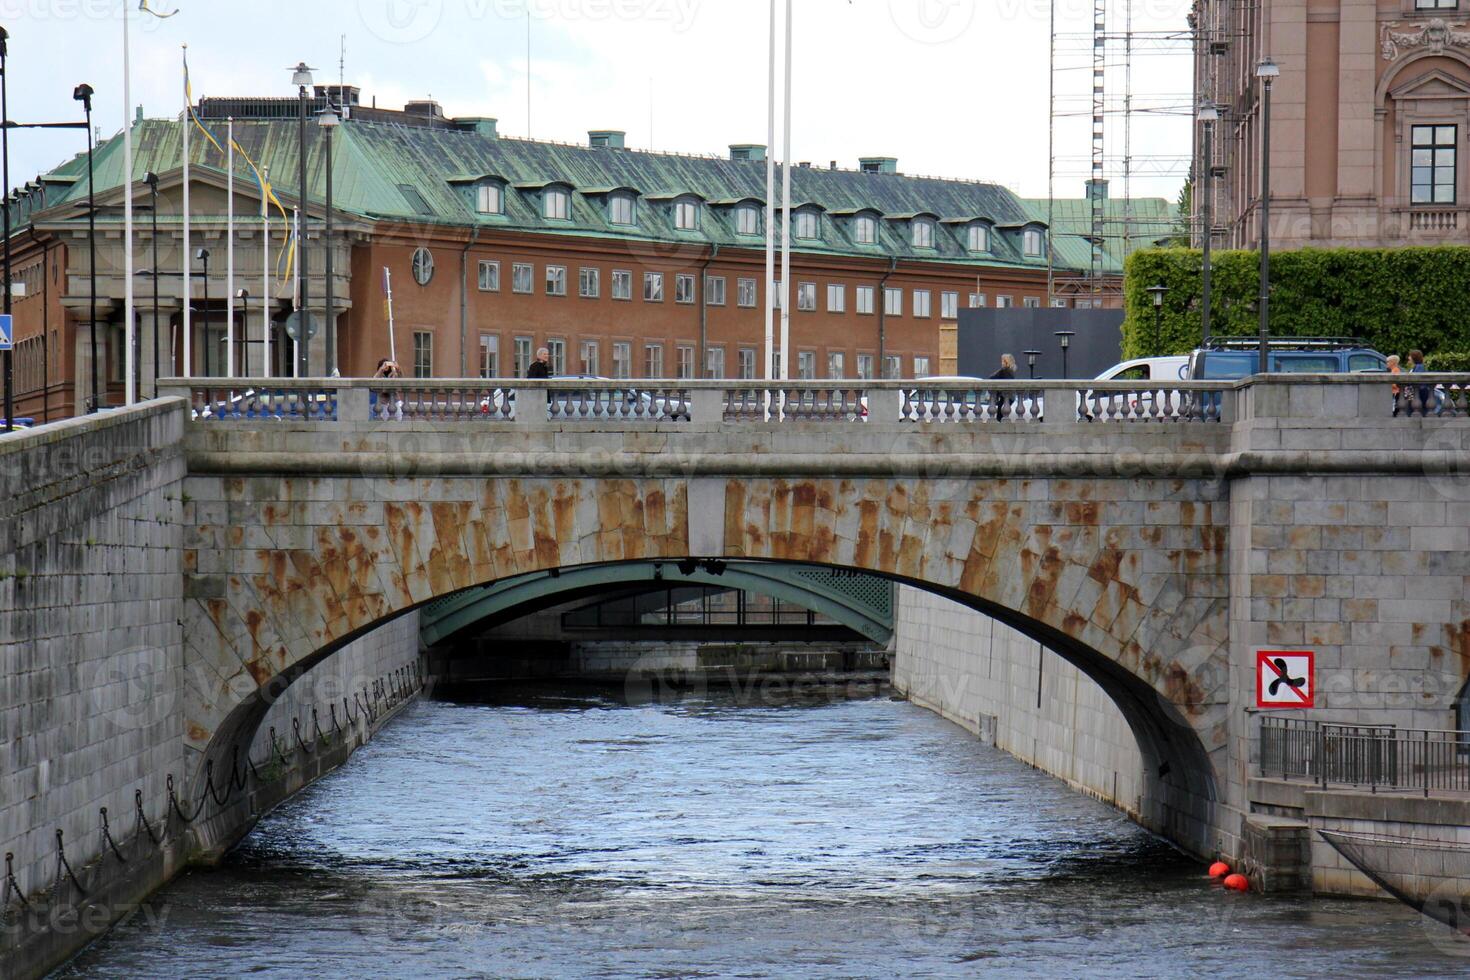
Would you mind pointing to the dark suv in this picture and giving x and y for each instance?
(1227, 360)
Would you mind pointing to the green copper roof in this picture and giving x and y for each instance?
(427, 175)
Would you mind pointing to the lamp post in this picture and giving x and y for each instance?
(301, 78)
(151, 179)
(1031, 356)
(203, 256)
(329, 120)
(1156, 293)
(243, 295)
(1267, 71)
(83, 94)
(1065, 338)
(1208, 115)
(5, 206)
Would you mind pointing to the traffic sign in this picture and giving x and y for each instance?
(7, 339)
(293, 325)
(1285, 678)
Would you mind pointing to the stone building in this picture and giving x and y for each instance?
(625, 263)
(1369, 117)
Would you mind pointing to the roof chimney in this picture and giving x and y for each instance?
(424, 107)
(747, 151)
(611, 138)
(1097, 190)
(878, 165)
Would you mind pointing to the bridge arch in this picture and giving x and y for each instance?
(1126, 579)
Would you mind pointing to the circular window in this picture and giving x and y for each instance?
(423, 266)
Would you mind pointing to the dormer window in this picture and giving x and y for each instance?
(489, 198)
(686, 214)
(556, 204)
(806, 225)
(865, 229)
(978, 237)
(1033, 242)
(747, 220)
(923, 233)
(621, 209)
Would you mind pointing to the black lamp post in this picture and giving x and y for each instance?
(1031, 356)
(1208, 116)
(1156, 293)
(83, 94)
(243, 295)
(151, 179)
(1065, 338)
(301, 78)
(203, 256)
(5, 205)
(1267, 71)
(329, 120)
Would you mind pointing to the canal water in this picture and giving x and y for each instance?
(566, 834)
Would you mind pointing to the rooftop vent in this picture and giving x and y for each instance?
(805, 165)
(479, 125)
(878, 165)
(747, 151)
(611, 138)
(1097, 190)
(424, 107)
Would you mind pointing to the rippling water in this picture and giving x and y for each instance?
(577, 836)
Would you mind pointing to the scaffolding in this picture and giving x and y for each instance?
(1095, 95)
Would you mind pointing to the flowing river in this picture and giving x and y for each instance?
(564, 834)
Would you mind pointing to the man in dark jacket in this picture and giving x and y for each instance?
(541, 366)
(1007, 372)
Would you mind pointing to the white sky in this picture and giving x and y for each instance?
(954, 88)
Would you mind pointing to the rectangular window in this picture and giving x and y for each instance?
(977, 300)
(521, 276)
(589, 283)
(683, 361)
(714, 362)
(921, 367)
(653, 360)
(806, 296)
(686, 215)
(922, 298)
(1031, 302)
(1059, 303)
(423, 354)
(865, 367)
(557, 205)
(892, 366)
(893, 301)
(489, 355)
(1003, 303)
(556, 280)
(714, 290)
(489, 276)
(1436, 4)
(806, 365)
(836, 297)
(745, 292)
(653, 291)
(622, 353)
(622, 284)
(1033, 242)
(949, 305)
(487, 199)
(1433, 165)
(590, 358)
(620, 209)
(836, 364)
(865, 299)
(806, 224)
(746, 357)
(683, 288)
(557, 348)
(747, 220)
(523, 356)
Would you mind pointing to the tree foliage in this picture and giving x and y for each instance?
(1395, 299)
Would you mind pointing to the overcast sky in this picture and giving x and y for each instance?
(954, 88)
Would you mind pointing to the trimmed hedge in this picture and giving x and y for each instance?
(1395, 299)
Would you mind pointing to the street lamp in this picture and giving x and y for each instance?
(203, 256)
(329, 120)
(1031, 356)
(243, 295)
(1208, 115)
(5, 206)
(1267, 71)
(83, 94)
(151, 179)
(1156, 293)
(1065, 338)
(301, 78)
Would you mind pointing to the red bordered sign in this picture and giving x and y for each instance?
(1285, 678)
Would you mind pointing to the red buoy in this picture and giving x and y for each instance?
(1219, 869)
(1237, 883)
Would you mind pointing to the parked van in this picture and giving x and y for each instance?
(1172, 368)
(1228, 360)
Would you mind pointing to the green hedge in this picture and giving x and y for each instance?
(1395, 299)
(1448, 360)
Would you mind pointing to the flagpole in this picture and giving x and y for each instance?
(188, 290)
(130, 388)
(265, 272)
(770, 284)
(786, 210)
(230, 247)
(296, 291)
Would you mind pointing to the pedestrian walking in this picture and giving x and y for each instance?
(1425, 392)
(1393, 368)
(1006, 372)
(541, 366)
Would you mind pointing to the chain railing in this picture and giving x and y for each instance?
(1375, 756)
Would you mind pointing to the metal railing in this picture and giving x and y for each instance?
(1376, 756)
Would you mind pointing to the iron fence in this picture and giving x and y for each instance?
(1376, 756)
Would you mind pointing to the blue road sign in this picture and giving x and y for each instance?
(6, 343)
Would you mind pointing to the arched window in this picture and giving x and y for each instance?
(978, 237)
(747, 220)
(621, 209)
(923, 233)
(556, 204)
(805, 225)
(686, 214)
(865, 229)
